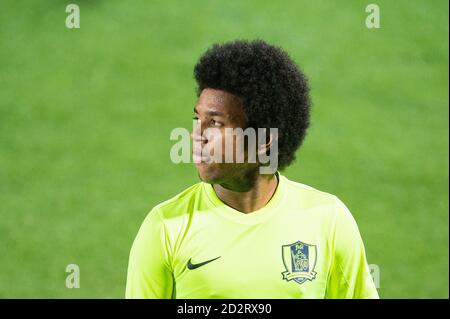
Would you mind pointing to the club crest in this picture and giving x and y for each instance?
(299, 260)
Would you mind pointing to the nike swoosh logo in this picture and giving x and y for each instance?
(192, 266)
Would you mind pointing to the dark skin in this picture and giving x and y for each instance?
(239, 185)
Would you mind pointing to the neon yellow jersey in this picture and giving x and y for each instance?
(303, 244)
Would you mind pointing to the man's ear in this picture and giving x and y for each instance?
(268, 151)
(264, 147)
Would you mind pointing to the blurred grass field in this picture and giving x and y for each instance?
(85, 117)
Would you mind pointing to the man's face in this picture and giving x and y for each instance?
(217, 110)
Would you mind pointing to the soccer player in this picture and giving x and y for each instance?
(239, 233)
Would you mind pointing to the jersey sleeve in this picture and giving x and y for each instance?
(149, 272)
(350, 275)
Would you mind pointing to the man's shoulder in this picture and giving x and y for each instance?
(300, 190)
(324, 205)
(310, 197)
(180, 203)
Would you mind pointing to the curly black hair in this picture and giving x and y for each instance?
(274, 92)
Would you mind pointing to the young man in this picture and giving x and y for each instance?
(240, 233)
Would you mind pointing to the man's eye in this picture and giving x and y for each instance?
(215, 123)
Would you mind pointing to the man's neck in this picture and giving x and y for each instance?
(250, 200)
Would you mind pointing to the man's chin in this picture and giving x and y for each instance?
(208, 173)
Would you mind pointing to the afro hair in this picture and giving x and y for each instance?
(273, 90)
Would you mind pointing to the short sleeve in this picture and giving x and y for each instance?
(149, 273)
(349, 275)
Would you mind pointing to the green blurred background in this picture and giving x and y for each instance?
(85, 118)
